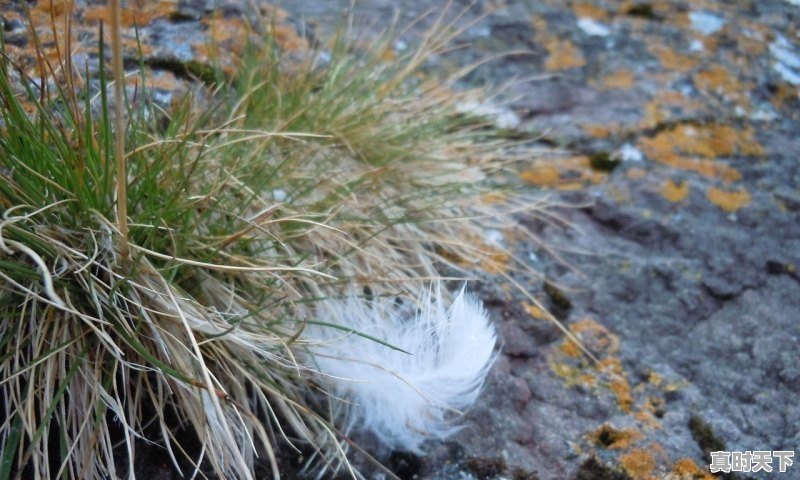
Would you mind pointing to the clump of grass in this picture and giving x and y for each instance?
(338, 176)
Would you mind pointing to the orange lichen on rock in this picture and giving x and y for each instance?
(717, 80)
(288, 39)
(534, 311)
(728, 200)
(690, 147)
(569, 173)
(589, 10)
(571, 349)
(602, 131)
(622, 390)
(663, 107)
(493, 198)
(671, 60)
(687, 468)
(674, 192)
(544, 176)
(619, 79)
(562, 54)
(639, 463)
(139, 15)
(595, 336)
(56, 8)
(228, 30)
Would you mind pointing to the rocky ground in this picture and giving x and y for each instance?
(676, 129)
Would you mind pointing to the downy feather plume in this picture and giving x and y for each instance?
(432, 363)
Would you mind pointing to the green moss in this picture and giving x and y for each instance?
(191, 69)
(603, 162)
(704, 436)
(557, 297)
(594, 469)
(522, 474)
(642, 10)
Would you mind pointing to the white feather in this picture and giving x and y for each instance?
(405, 398)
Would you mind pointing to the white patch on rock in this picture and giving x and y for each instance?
(592, 27)
(787, 62)
(785, 52)
(786, 73)
(696, 46)
(794, 2)
(764, 114)
(629, 153)
(705, 22)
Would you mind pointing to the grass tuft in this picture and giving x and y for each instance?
(340, 175)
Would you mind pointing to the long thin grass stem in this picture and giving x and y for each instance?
(119, 124)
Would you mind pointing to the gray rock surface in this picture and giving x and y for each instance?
(681, 274)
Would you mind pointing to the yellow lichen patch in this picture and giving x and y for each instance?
(161, 79)
(671, 60)
(728, 200)
(639, 463)
(589, 10)
(55, 8)
(601, 131)
(622, 390)
(587, 379)
(662, 107)
(674, 192)
(654, 378)
(568, 173)
(688, 469)
(571, 349)
(562, 55)
(570, 374)
(225, 30)
(493, 198)
(717, 80)
(534, 311)
(595, 336)
(653, 114)
(288, 39)
(636, 173)
(544, 176)
(612, 438)
(619, 79)
(646, 417)
(139, 16)
(695, 148)
(570, 186)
